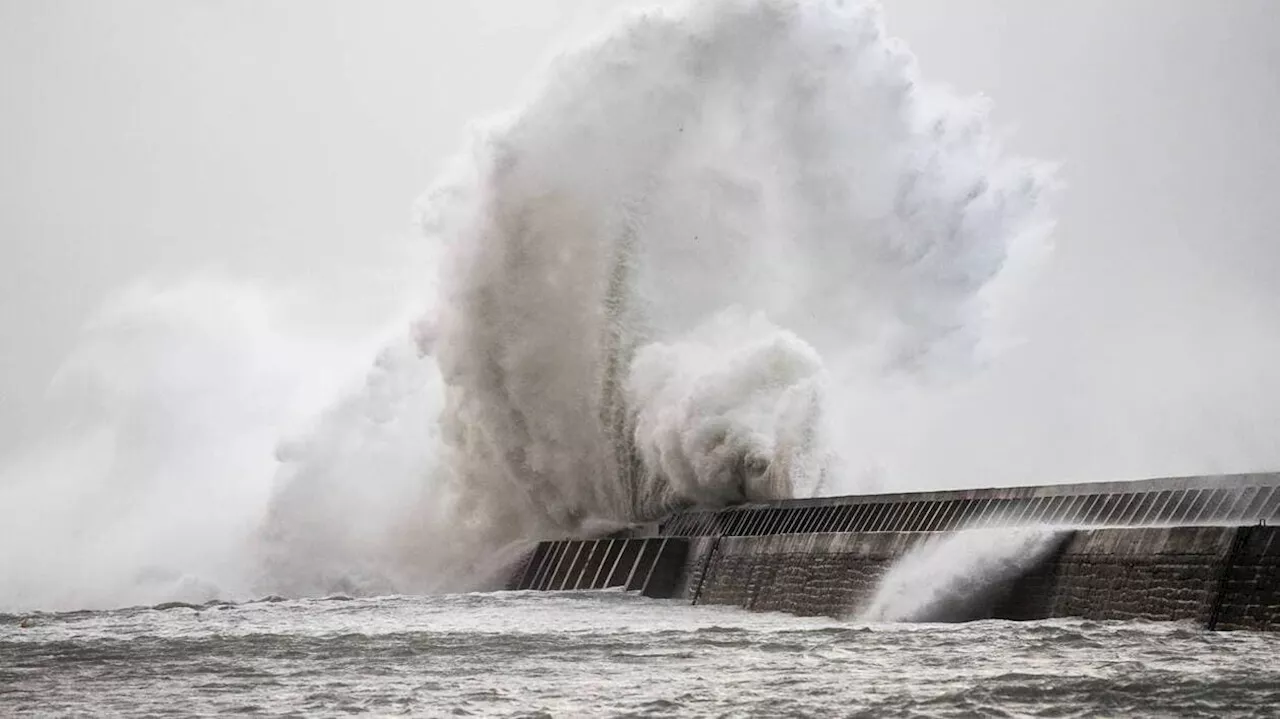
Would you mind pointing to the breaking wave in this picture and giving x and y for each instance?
(676, 275)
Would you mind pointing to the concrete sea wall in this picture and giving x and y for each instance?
(1176, 550)
(1218, 577)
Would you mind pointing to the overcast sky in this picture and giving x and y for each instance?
(287, 140)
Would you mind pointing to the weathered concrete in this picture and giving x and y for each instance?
(1207, 575)
(1249, 588)
(1169, 574)
(803, 574)
(1200, 549)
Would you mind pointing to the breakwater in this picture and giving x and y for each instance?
(1199, 549)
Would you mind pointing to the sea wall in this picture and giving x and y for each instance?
(1170, 574)
(651, 565)
(1201, 549)
(1249, 587)
(1218, 577)
(803, 574)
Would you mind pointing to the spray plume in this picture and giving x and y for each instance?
(678, 274)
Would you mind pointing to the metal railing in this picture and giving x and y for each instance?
(1184, 501)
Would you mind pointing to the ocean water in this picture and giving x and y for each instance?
(610, 653)
(720, 252)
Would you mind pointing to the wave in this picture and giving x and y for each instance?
(679, 273)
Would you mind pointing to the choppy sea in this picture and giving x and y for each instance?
(609, 653)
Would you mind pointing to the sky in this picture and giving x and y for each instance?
(285, 141)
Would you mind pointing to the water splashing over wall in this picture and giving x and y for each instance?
(958, 576)
(684, 271)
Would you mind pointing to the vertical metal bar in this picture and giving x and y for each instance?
(776, 517)
(841, 518)
(1106, 509)
(802, 519)
(1209, 509)
(1271, 509)
(815, 519)
(622, 552)
(982, 513)
(1071, 511)
(933, 512)
(965, 512)
(1021, 508)
(802, 524)
(819, 519)
(1154, 512)
(595, 578)
(709, 520)
(857, 521)
(908, 520)
(1253, 510)
(1179, 513)
(783, 520)
(1040, 511)
(595, 547)
(897, 511)
(569, 569)
(540, 581)
(1083, 508)
(945, 513)
(881, 521)
(1141, 508)
(1124, 511)
(991, 514)
(648, 577)
(644, 549)
(1086, 512)
(870, 522)
(828, 520)
(1056, 509)
(539, 554)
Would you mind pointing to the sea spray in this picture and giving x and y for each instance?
(155, 482)
(728, 412)
(691, 268)
(677, 270)
(958, 576)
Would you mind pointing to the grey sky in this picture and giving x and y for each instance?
(287, 140)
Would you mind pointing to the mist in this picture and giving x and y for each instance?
(166, 151)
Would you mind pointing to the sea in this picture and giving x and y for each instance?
(741, 243)
(611, 654)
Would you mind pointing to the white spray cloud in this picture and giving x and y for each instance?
(719, 410)
(777, 160)
(692, 267)
(153, 488)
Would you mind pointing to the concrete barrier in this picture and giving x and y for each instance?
(1203, 550)
(1217, 577)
